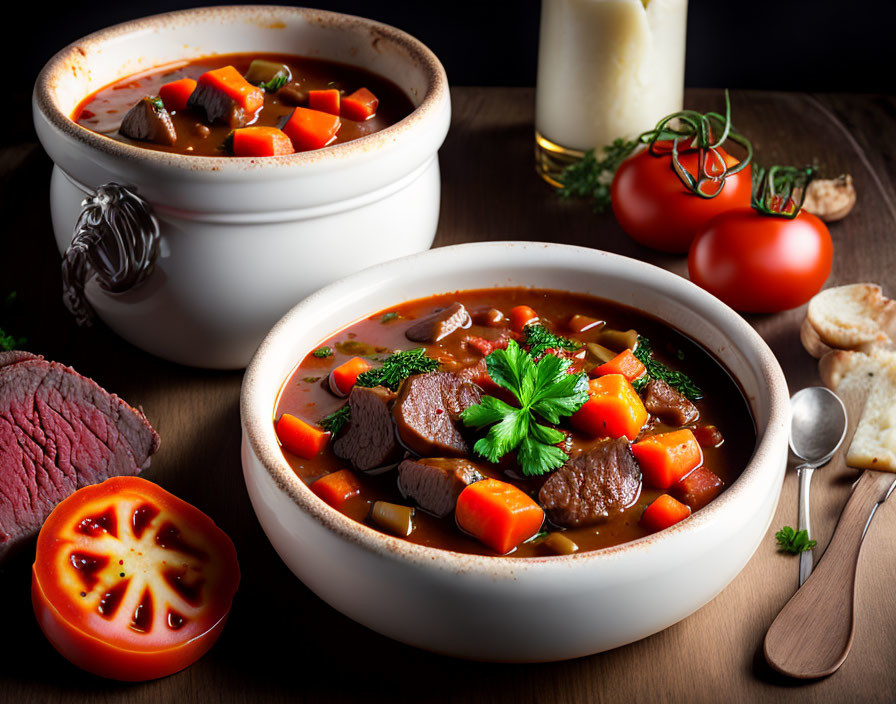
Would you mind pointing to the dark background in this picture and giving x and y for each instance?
(816, 45)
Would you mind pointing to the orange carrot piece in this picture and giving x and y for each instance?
(260, 141)
(498, 514)
(175, 95)
(324, 100)
(613, 409)
(360, 105)
(521, 316)
(663, 512)
(624, 363)
(299, 437)
(346, 374)
(337, 487)
(231, 82)
(667, 457)
(311, 129)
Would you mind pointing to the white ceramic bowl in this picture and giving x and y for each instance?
(515, 609)
(242, 239)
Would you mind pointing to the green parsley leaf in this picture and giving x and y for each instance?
(275, 84)
(539, 339)
(679, 381)
(591, 178)
(156, 103)
(792, 541)
(398, 367)
(322, 352)
(337, 420)
(543, 388)
(389, 317)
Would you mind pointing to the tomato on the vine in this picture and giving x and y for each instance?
(130, 582)
(759, 263)
(655, 208)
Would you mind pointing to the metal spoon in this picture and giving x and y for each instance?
(817, 427)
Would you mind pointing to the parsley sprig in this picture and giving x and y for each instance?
(679, 381)
(337, 420)
(275, 84)
(591, 177)
(542, 388)
(793, 541)
(539, 340)
(398, 367)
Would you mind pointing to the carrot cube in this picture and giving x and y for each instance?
(175, 95)
(299, 437)
(613, 409)
(344, 376)
(667, 457)
(360, 105)
(662, 513)
(231, 82)
(311, 129)
(260, 141)
(337, 487)
(624, 363)
(498, 514)
(324, 100)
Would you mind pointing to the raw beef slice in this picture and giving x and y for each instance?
(59, 431)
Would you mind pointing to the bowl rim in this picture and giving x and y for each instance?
(65, 61)
(253, 417)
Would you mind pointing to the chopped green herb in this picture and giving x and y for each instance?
(591, 178)
(7, 340)
(679, 381)
(539, 339)
(336, 421)
(389, 317)
(540, 535)
(543, 388)
(226, 145)
(157, 103)
(398, 367)
(311, 379)
(792, 541)
(275, 84)
(322, 352)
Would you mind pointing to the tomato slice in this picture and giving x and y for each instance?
(130, 582)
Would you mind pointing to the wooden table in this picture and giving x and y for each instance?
(282, 642)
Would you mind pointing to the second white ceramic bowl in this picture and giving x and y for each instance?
(242, 239)
(513, 609)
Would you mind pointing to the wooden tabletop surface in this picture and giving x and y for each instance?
(282, 643)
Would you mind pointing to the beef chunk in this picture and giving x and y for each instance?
(670, 406)
(439, 325)
(59, 431)
(698, 488)
(435, 483)
(368, 442)
(426, 411)
(217, 106)
(593, 486)
(149, 121)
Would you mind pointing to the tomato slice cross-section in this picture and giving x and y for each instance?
(130, 582)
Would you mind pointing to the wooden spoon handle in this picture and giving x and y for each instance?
(812, 635)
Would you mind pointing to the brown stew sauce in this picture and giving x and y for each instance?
(306, 395)
(104, 110)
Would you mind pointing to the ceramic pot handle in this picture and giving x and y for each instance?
(116, 239)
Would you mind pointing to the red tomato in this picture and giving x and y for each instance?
(761, 264)
(654, 207)
(129, 582)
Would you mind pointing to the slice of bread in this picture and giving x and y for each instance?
(853, 317)
(871, 374)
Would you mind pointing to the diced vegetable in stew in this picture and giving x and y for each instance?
(513, 422)
(245, 105)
